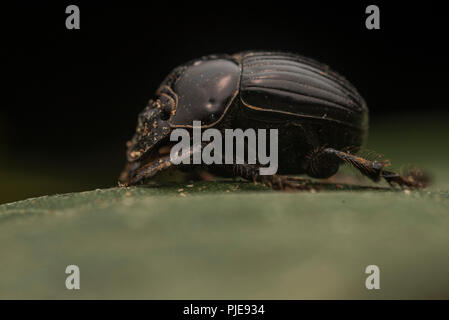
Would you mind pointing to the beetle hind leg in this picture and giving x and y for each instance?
(375, 170)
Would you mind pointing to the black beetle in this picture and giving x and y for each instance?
(321, 118)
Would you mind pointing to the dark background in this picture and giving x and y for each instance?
(72, 96)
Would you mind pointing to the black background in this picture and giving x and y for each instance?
(72, 96)
(274, 309)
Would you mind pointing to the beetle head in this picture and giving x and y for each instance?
(201, 90)
(152, 128)
(152, 132)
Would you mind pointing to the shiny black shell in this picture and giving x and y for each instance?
(300, 87)
(271, 82)
(310, 105)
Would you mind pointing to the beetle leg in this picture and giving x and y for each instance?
(150, 169)
(414, 179)
(147, 171)
(375, 170)
(277, 182)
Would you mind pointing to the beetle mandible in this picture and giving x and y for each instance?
(321, 118)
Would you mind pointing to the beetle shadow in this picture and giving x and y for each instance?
(227, 185)
(329, 186)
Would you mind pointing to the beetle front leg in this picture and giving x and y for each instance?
(375, 170)
(145, 171)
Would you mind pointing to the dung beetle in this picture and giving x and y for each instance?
(321, 118)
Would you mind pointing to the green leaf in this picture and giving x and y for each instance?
(230, 240)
